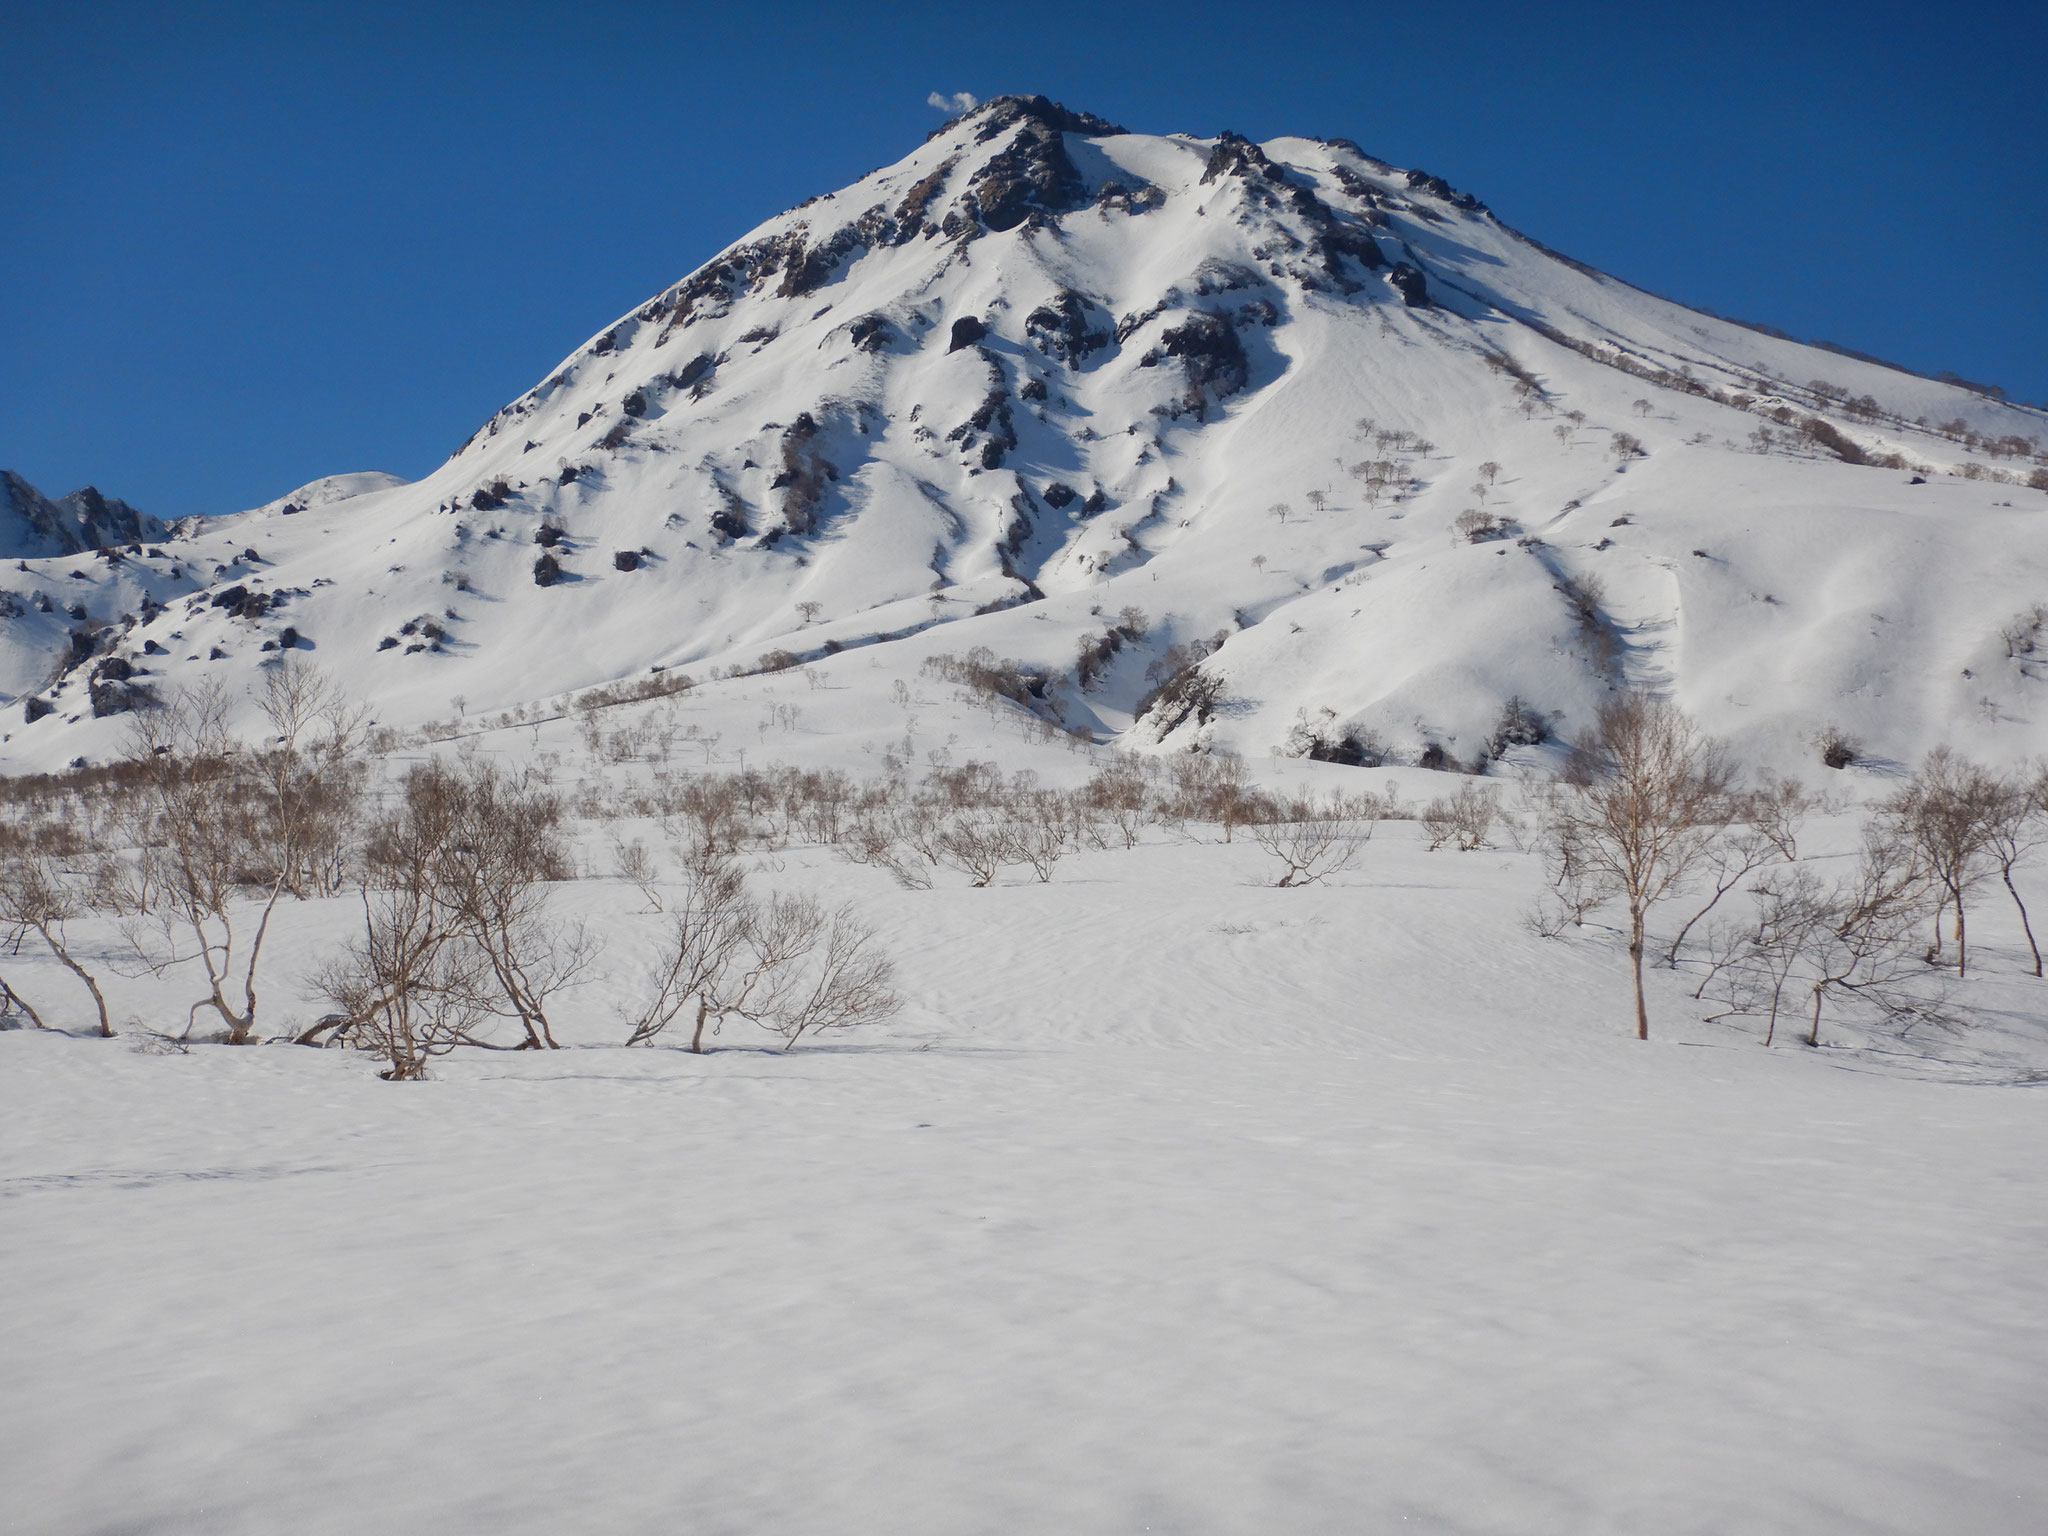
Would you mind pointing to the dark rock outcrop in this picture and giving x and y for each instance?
(1407, 280)
(1061, 329)
(871, 333)
(805, 475)
(34, 524)
(1213, 357)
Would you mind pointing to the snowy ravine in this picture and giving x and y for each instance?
(1043, 369)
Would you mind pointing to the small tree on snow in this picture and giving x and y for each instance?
(1651, 800)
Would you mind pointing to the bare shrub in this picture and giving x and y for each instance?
(1518, 726)
(1837, 749)
(1210, 788)
(1180, 688)
(1464, 820)
(988, 679)
(976, 840)
(1313, 838)
(1120, 795)
(787, 965)
(407, 988)
(211, 818)
(1044, 828)
(1476, 527)
(489, 870)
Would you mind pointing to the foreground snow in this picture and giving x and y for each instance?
(1171, 1203)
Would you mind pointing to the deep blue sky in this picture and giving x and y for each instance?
(248, 245)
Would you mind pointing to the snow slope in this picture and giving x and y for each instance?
(1042, 369)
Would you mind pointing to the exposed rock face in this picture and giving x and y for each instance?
(1061, 329)
(1408, 281)
(1235, 155)
(805, 475)
(34, 524)
(1033, 177)
(967, 330)
(1436, 186)
(871, 333)
(1209, 350)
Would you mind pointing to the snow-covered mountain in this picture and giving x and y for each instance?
(34, 524)
(1372, 460)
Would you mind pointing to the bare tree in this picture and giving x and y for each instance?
(1765, 830)
(707, 929)
(409, 987)
(1851, 938)
(2019, 826)
(39, 895)
(212, 818)
(1120, 794)
(1313, 839)
(193, 832)
(494, 871)
(1489, 472)
(1949, 811)
(826, 973)
(787, 965)
(1654, 797)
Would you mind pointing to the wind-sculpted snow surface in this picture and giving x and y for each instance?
(1043, 369)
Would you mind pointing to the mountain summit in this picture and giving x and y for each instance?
(1376, 477)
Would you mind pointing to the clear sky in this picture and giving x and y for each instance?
(246, 246)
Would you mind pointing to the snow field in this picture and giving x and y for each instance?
(1171, 1201)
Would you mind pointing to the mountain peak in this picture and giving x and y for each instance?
(999, 112)
(1374, 465)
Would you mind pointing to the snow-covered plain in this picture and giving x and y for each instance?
(1171, 1201)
